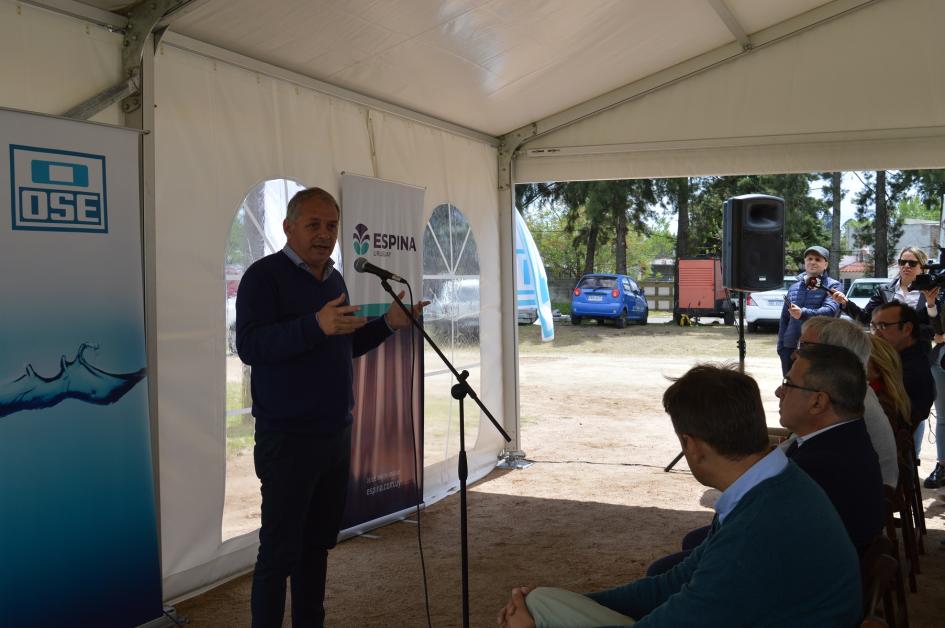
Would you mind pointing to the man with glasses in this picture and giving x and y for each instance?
(898, 324)
(837, 332)
(821, 401)
(804, 301)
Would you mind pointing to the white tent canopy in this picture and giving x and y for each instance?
(464, 98)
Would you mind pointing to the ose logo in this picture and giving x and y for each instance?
(54, 190)
(360, 240)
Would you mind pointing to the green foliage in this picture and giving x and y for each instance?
(615, 225)
(865, 200)
(804, 220)
(548, 227)
(643, 249)
(913, 207)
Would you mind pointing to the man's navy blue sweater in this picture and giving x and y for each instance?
(301, 379)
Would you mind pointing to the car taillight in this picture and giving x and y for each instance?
(615, 293)
(577, 292)
(749, 301)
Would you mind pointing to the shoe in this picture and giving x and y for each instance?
(936, 479)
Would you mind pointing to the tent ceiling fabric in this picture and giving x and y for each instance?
(489, 65)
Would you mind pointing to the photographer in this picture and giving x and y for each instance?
(928, 304)
(925, 302)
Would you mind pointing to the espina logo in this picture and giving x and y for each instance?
(57, 190)
(383, 243)
(360, 240)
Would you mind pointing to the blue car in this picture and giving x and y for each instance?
(616, 297)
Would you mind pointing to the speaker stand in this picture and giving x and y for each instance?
(741, 331)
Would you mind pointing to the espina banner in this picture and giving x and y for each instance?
(382, 222)
(78, 534)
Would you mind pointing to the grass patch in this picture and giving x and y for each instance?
(562, 306)
(239, 427)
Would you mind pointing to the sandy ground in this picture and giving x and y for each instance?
(593, 510)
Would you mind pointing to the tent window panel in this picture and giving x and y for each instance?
(451, 284)
(256, 231)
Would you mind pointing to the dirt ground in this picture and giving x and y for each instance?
(593, 510)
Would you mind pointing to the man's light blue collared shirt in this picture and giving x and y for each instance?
(298, 261)
(768, 467)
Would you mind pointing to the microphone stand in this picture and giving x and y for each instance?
(458, 391)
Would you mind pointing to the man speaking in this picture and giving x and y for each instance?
(805, 299)
(296, 329)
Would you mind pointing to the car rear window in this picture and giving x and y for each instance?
(862, 290)
(598, 282)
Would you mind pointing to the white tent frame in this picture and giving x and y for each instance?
(601, 138)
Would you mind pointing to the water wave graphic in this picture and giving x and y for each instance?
(76, 379)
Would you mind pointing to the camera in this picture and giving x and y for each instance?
(934, 275)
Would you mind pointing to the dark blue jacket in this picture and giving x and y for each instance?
(814, 302)
(301, 379)
(832, 459)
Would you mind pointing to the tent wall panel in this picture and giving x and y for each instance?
(220, 130)
(865, 91)
(52, 62)
(462, 172)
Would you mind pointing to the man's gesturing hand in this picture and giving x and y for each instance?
(397, 319)
(336, 319)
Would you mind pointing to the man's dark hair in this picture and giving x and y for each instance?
(721, 406)
(837, 372)
(292, 209)
(905, 315)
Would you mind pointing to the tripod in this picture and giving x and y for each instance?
(458, 391)
(741, 358)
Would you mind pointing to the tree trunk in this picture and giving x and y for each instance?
(835, 251)
(591, 249)
(682, 227)
(620, 242)
(880, 256)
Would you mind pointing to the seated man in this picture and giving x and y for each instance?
(898, 324)
(777, 553)
(837, 332)
(822, 403)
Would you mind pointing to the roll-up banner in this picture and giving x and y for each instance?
(78, 534)
(382, 222)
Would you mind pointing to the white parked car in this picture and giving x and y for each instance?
(862, 289)
(764, 308)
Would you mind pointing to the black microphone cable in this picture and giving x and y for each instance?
(418, 470)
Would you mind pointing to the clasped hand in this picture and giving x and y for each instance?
(515, 613)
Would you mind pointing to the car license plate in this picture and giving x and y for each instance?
(595, 298)
(775, 303)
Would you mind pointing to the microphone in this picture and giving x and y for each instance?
(816, 282)
(363, 266)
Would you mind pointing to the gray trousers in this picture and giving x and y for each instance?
(558, 608)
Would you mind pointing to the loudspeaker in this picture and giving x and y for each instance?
(753, 242)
